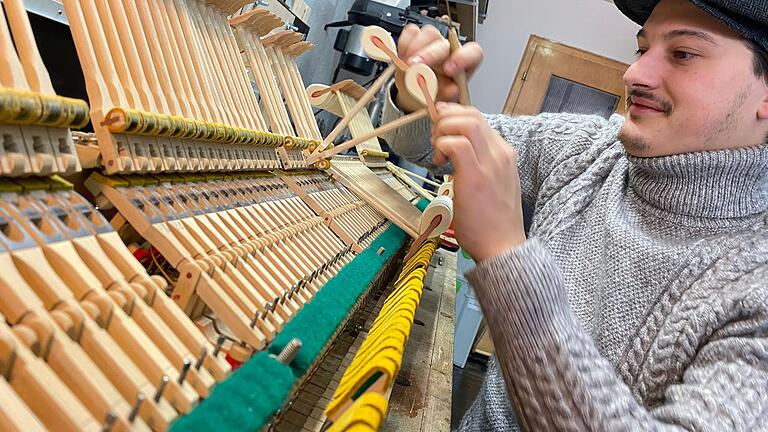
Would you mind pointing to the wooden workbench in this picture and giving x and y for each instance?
(421, 397)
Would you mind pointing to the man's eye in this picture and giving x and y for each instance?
(683, 55)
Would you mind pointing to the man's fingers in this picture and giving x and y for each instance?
(458, 150)
(465, 59)
(432, 55)
(447, 90)
(407, 36)
(448, 110)
(469, 127)
(454, 109)
(426, 36)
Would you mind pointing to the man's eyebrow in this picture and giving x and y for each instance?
(681, 33)
(692, 33)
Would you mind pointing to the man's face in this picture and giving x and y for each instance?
(692, 87)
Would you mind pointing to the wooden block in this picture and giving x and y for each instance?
(42, 391)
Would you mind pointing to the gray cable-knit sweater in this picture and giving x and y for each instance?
(640, 302)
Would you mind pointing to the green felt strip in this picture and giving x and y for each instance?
(320, 318)
(243, 402)
(255, 392)
(422, 204)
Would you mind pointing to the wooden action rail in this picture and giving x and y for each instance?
(122, 266)
(271, 60)
(15, 416)
(365, 184)
(414, 189)
(134, 325)
(127, 331)
(33, 119)
(403, 185)
(168, 88)
(351, 219)
(36, 386)
(48, 334)
(245, 246)
(124, 324)
(282, 49)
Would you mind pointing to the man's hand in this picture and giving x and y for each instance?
(426, 45)
(488, 215)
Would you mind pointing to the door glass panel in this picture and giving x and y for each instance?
(566, 96)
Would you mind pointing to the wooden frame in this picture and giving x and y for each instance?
(535, 42)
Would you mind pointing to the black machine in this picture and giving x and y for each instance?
(391, 18)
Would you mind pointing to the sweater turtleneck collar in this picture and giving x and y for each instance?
(720, 184)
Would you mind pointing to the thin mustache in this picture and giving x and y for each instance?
(665, 105)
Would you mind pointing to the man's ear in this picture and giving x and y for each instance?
(762, 110)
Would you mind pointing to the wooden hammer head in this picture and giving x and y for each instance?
(298, 48)
(260, 21)
(228, 6)
(283, 39)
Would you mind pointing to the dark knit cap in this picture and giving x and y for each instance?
(747, 17)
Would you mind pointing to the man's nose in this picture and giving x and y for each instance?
(645, 72)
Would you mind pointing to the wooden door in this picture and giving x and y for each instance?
(569, 77)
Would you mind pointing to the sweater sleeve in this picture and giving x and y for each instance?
(542, 142)
(557, 379)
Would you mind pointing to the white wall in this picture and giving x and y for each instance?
(592, 25)
(316, 66)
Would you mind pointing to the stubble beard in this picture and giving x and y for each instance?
(714, 136)
(633, 144)
(717, 133)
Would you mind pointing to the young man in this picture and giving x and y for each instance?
(640, 301)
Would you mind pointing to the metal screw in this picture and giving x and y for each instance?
(161, 388)
(135, 410)
(253, 320)
(184, 371)
(219, 343)
(203, 353)
(109, 421)
(289, 352)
